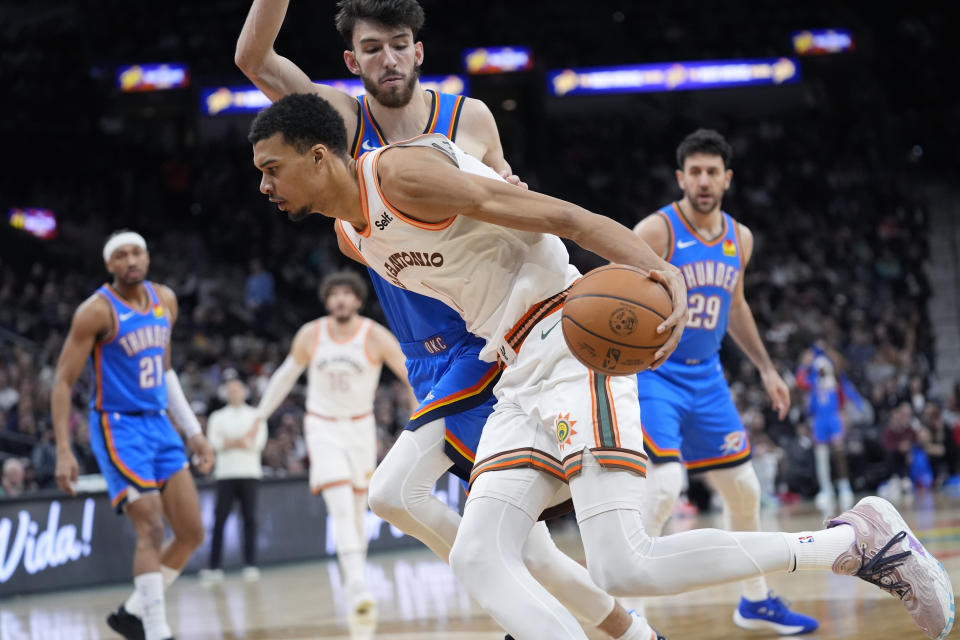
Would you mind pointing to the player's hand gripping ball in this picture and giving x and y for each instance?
(610, 319)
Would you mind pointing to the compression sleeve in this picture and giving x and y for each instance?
(281, 382)
(178, 407)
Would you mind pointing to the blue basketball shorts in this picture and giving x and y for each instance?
(457, 386)
(688, 415)
(137, 452)
(827, 427)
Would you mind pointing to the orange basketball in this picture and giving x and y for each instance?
(610, 319)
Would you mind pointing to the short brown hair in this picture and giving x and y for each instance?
(393, 13)
(345, 278)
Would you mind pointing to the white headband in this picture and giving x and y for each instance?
(117, 241)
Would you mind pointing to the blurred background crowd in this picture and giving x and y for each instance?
(833, 175)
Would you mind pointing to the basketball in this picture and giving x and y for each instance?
(610, 319)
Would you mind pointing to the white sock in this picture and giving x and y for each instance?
(755, 589)
(150, 588)
(821, 454)
(352, 564)
(340, 506)
(639, 630)
(843, 485)
(360, 514)
(169, 575)
(134, 605)
(819, 549)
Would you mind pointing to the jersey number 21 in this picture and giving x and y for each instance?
(151, 371)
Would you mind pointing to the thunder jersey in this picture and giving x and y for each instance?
(341, 377)
(491, 275)
(824, 399)
(414, 318)
(128, 368)
(711, 271)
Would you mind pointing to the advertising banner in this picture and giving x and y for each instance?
(64, 542)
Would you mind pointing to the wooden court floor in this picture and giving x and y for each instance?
(418, 598)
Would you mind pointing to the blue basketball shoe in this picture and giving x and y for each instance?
(772, 614)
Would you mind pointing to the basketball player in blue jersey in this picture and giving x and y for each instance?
(442, 358)
(687, 410)
(124, 329)
(817, 376)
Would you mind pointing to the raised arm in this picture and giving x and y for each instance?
(91, 321)
(384, 346)
(274, 74)
(423, 180)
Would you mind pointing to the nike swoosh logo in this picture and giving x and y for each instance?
(683, 244)
(366, 146)
(126, 316)
(544, 334)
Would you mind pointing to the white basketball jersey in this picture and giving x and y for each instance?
(341, 377)
(491, 275)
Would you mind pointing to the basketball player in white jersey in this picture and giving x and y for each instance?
(459, 233)
(342, 354)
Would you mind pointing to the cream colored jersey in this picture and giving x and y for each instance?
(342, 378)
(491, 275)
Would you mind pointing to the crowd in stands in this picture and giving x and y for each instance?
(833, 198)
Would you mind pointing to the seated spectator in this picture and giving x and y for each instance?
(938, 443)
(899, 436)
(82, 450)
(44, 459)
(12, 481)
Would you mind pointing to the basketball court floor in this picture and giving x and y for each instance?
(419, 599)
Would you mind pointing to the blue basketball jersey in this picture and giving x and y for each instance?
(421, 324)
(128, 368)
(824, 397)
(711, 271)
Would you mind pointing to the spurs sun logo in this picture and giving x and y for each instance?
(564, 426)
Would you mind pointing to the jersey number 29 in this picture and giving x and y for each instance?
(151, 372)
(704, 311)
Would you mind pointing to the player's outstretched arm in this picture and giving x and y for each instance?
(743, 329)
(421, 180)
(387, 349)
(287, 374)
(272, 73)
(91, 320)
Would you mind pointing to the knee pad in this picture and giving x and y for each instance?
(539, 551)
(739, 488)
(620, 566)
(469, 556)
(664, 482)
(384, 495)
(339, 501)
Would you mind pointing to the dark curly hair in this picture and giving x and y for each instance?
(393, 13)
(705, 141)
(345, 278)
(304, 119)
